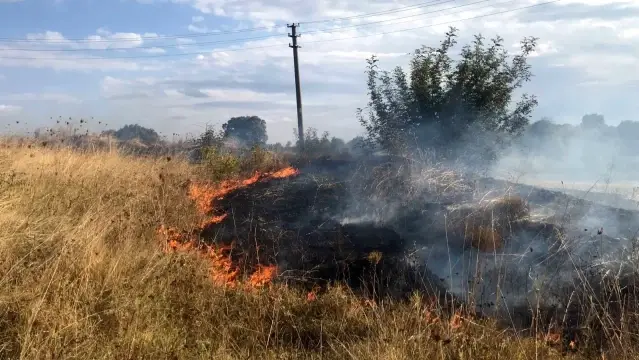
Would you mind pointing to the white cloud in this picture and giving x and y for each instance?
(9, 109)
(184, 41)
(102, 39)
(51, 49)
(594, 45)
(10, 57)
(154, 50)
(198, 29)
(112, 87)
(332, 64)
(60, 98)
(231, 95)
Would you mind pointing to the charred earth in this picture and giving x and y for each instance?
(388, 230)
(297, 224)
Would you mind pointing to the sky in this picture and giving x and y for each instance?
(180, 65)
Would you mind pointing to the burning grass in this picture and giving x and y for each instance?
(83, 277)
(204, 195)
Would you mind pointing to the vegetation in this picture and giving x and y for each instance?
(592, 127)
(84, 276)
(248, 130)
(442, 101)
(131, 132)
(316, 146)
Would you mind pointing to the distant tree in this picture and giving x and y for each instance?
(628, 133)
(277, 147)
(135, 131)
(108, 133)
(337, 144)
(628, 129)
(359, 146)
(443, 102)
(250, 130)
(542, 128)
(593, 121)
(316, 145)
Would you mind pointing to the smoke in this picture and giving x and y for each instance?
(593, 169)
(567, 239)
(585, 155)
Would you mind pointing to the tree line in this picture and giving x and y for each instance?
(458, 107)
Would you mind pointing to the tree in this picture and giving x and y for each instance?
(543, 128)
(135, 131)
(358, 146)
(443, 102)
(337, 145)
(593, 121)
(314, 145)
(250, 130)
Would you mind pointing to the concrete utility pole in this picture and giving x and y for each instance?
(298, 91)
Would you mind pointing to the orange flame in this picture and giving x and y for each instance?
(263, 275)
(223, 271)
(456, 322)
(284, 173)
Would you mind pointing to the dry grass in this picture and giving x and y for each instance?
(82, 276)
(486, 225)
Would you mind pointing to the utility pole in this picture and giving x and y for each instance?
(298, 91)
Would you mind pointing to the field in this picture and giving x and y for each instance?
(85, 274)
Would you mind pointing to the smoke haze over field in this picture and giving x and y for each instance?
(590, 156)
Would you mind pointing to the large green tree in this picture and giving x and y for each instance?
(250, 130)
(443, 101)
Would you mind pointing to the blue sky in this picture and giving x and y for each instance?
(164, 64)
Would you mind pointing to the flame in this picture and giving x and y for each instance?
(176, 240)
(263, 275)
(205, 194)
(457, 321)
(223, 270)
(284, 173)
(552, 338)
(213, 220)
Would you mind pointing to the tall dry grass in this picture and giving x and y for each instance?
(82, 276)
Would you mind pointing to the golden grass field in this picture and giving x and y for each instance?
(84, 276)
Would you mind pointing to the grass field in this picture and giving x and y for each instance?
(83, 275)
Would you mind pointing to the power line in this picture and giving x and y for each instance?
(337, 29)
(142, 37)
(410, 16)
(274, 45)
(259, 37)
(441, 23)
(215, 33)
(141, 56)
(405, 8)
(232, 41)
